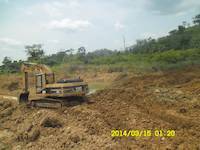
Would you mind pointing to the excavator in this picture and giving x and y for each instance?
(51, 93)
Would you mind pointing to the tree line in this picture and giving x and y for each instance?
(36, 54)
(184, 37)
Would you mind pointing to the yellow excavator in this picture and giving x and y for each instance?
(51, 93)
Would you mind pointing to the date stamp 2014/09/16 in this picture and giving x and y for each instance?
(143, 133)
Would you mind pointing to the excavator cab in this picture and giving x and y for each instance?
(43, 79)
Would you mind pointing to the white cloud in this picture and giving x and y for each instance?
(9, 42)
(68, 24)
(119, 26)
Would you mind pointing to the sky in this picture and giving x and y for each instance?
(94, 24)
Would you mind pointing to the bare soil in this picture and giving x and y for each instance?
(164, 100)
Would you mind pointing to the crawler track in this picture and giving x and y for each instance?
(47, 103)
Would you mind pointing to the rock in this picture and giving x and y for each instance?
(162, 139)
(183, 110)
(51, 122)
(33, 135)
(29, 136)
(179, 92)
(75, 138)
(196, 106)
(157, 91)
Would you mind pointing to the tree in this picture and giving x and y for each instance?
(195, 42)
(81, 50)
(10, 66)
(82, 54)
(196, 19)
(184, 23)
(181, 28)
(172, 32)
(6, 61)
(35, 52)
(69, 51)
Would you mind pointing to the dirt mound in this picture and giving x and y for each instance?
(71, 128)
(161, 101)
(155, 101)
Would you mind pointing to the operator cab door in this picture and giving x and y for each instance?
(40, 81)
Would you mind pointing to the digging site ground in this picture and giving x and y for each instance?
(168, 101)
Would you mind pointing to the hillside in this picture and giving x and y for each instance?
(179, 39)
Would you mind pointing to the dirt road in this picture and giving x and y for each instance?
(167, 101)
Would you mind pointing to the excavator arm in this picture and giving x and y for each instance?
(35, 68)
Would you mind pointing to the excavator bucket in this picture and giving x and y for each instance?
(23, 97)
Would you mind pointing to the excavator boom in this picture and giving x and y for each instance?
(35, 68)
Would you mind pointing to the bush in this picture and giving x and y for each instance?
(173, 56)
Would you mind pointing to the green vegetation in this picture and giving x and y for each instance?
(157, 60)
(185, 37)
(10, 66)
(178, 49)
(34, 52)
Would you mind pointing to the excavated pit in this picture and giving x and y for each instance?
(167, 101)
